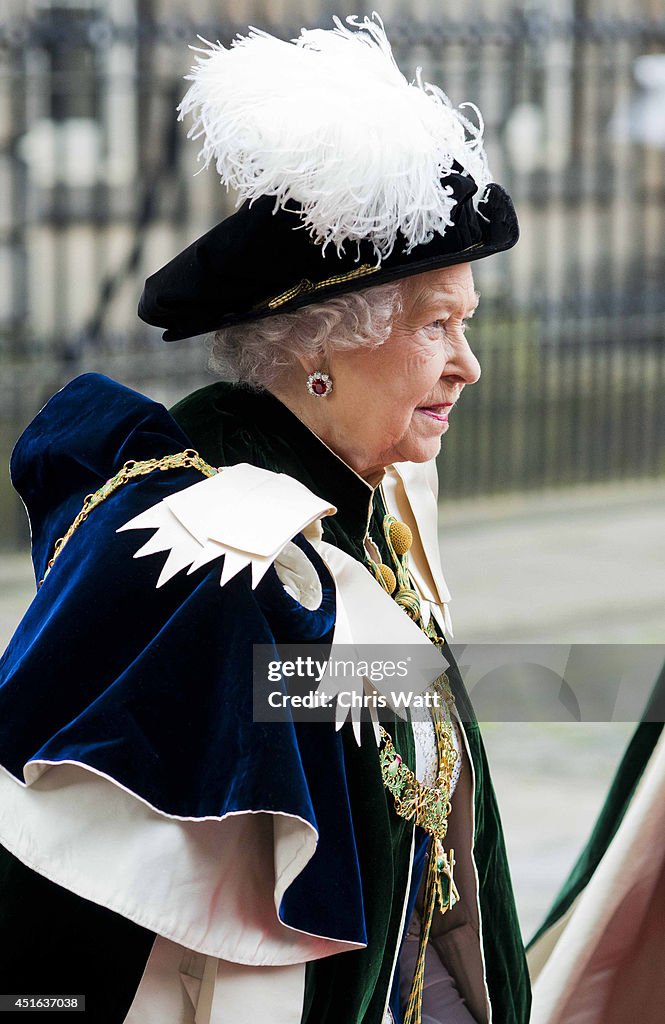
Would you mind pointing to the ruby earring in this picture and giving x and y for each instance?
(319, 384)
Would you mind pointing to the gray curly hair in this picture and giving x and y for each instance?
(261, 352)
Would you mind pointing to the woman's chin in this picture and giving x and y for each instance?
(422, 449)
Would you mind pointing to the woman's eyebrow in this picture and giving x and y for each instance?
(451, 302)
(473, 306)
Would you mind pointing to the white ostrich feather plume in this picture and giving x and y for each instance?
(329, 122)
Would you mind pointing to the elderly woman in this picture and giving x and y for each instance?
(168, 853)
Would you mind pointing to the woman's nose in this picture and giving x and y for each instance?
(463, 367)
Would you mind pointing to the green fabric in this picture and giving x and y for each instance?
(505, 962)
(612, 813)
(353, 987)
(229, 425)
(232, 424)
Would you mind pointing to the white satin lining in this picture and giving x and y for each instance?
(605, 965)
(181, 987)
(212, 885)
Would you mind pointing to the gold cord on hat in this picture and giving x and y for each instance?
(307, 287)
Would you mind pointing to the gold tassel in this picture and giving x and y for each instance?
(439, 884)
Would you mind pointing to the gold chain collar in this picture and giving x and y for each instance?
(189, 459)
(429, 806)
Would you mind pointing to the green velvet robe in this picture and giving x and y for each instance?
(229, 424)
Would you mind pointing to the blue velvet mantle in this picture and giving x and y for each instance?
(153, 688)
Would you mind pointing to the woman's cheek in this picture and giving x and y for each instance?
(404, 425)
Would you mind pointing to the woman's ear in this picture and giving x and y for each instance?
(314, 362)
(306, 363)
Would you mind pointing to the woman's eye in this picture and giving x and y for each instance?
(448, 325)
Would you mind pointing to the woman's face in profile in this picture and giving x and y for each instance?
(391, 403)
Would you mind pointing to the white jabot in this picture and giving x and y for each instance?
(427, 761)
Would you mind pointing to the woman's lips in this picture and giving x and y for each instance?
(436, 412)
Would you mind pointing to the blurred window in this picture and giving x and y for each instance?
(65, 31)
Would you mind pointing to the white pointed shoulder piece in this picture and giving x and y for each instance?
(245, 513)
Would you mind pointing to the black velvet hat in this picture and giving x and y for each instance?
(354, 196)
